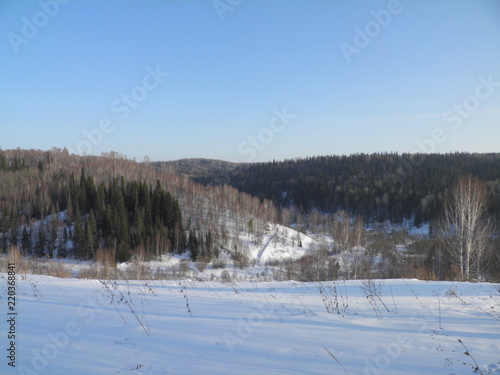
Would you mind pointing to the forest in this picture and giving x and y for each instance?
(360, 209)
(383, 186)
(115, 205)
(117, 217)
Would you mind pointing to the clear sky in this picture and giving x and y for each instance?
(250, 80)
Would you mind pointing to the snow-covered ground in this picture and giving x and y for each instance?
(81, 327)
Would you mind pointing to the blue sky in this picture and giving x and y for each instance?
(250, 80)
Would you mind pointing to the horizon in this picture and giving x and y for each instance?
(105, 154)
(176, 80)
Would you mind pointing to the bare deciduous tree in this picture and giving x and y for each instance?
(463, 229)
(342, 230)
(358, 233)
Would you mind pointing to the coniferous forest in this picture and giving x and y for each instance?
(81, 216)
(379, 187)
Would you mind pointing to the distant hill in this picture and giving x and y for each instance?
(384, 186)
(53, 203)
(209, 171)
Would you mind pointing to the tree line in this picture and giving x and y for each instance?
(383, 186)
(123, 216)
(119, 217)
(47, 183)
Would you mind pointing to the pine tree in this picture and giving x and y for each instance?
(91, 234)
(90, 193)
(193, 245)
(41, 242)
(251, 227)
(13, 236)
(69, 210)
(52, 241)
(82, 192)
(299, 240)
(148, 211)
(79, 240)
(138, 233)
(25, 241)
(62, 250)
(209, 243)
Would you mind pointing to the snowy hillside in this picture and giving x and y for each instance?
(183, 327)
(279, 243)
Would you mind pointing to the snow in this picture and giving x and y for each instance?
(423, 231)
(194, 327)
(270, 243)
(279, 244)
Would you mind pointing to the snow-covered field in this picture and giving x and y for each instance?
(72, 326)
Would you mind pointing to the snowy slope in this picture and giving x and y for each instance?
(279, 243)
(81, 327)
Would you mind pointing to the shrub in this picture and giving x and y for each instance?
(240, 259)
(218, 263)
(226, 276)
(202, 263)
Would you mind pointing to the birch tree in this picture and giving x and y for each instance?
(463, 229)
